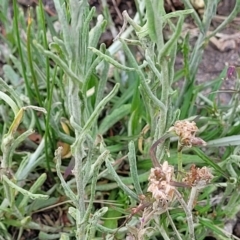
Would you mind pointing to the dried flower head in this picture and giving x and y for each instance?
(186, 132)
(198, 176)
(159, 182)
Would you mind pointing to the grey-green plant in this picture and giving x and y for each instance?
(71, 75)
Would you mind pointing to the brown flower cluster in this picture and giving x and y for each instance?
(186, 132)
(198, 176)
(160, 182)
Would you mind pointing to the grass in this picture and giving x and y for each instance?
(88, 130)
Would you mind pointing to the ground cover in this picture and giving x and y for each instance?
(119, 119)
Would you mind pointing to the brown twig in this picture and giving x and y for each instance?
(152, 151)
(117, 10)
(143, 204)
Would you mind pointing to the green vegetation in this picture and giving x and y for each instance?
(97, 112)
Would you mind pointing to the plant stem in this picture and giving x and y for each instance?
(188, 215)
(180, 168)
